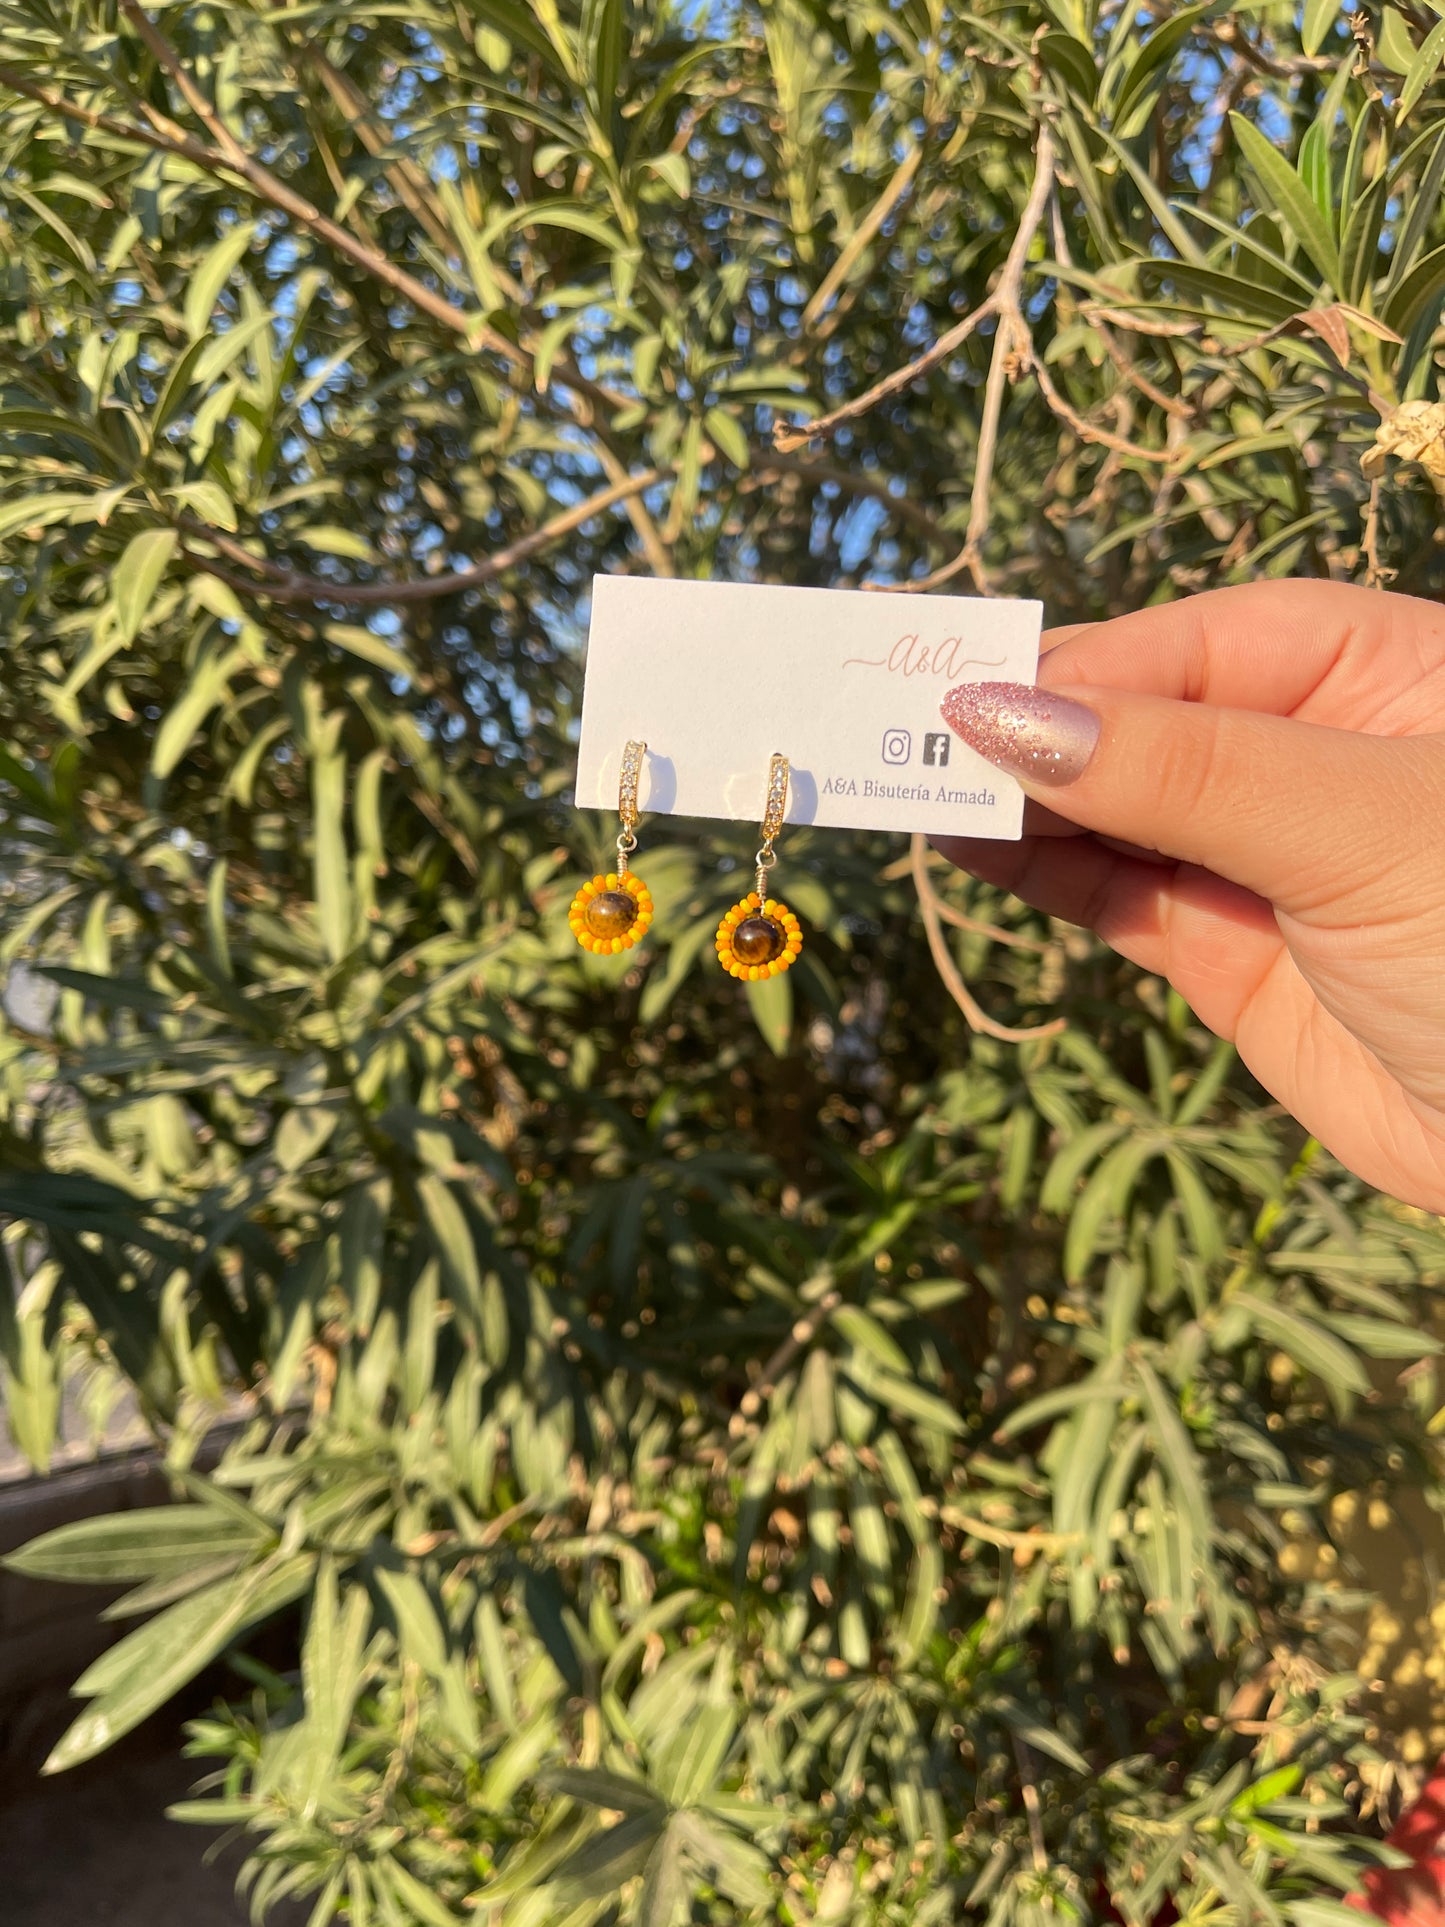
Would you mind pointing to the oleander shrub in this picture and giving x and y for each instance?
(872, 1447)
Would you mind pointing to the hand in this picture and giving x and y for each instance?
(1275, 756)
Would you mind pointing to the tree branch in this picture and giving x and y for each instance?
(1012, 342)
(978, 1018)
(289, 585)
(787, 439)
(228, 157)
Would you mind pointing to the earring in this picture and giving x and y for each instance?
(612, 912)
(760, 937)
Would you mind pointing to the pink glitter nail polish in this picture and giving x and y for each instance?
(1028, 732)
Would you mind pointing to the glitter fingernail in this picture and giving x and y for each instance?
(1028, 732)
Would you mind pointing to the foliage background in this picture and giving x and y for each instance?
(809, 1455)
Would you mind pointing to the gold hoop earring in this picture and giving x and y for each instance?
(760, 937)
(614, 910)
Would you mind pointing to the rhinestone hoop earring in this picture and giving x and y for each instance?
(612, 912)
(760, 937)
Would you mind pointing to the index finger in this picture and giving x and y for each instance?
(1319, 651)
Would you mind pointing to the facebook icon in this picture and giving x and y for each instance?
(935, 748)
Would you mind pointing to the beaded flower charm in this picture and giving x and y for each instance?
(614, 910)
(760, 937)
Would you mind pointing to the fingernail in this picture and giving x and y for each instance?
(1025, 731)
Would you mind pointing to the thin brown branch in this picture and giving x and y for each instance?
(288, 585)
(229, 157)
(1012, 342)
(659, 555)
(1171, 404)
(166, 138)
(994, 932)
(435, 815)
(787, 439)
(408, 182)
(802, 1334)
(892, 194)
(1034, 1812)
(1086, 430)
(1139, 324)
(978, 1018)
(179, 145)
(1376, 575)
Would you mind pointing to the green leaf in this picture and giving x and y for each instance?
(1065, 57)
(616, 1792)
(327, 540)
(1200, 1213)
(610, 1859)
(1421, 287)
(664, 1883)
(863, 1330)
(418, 1897)
(1158, 50)
(452, 1239)
(137, 576)
(673, 169)
(690, 1765)
(1291, 199)
(1310, 1345)
(211, 275)
(154, 1542)
(1423, 69)
(331, 1673)
(206, 692)
(1083, 1149)
(728, 432)
(44, 510)
(1105, 1197)
(771, 1002)
(1319, 17)
(148, 1666)
(328, 805)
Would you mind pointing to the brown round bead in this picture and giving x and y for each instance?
(612, 914)
(758, 940)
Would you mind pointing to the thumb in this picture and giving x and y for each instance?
(1308, 817)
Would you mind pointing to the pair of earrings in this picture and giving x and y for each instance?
(758, 938)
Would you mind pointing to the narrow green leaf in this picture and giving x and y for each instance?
(154, 1542)
(328, 804)
(211, 275)
(1319, 17)
(1290, 198)
(1156, 53)
(144, 1669)
(1423, 69)
(613, 1791)
(1310, 1345)
(331, 1674)
(771, 1002)
(137, 577)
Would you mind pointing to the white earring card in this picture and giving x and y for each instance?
(716, 676)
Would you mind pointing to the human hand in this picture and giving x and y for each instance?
(1280, 750)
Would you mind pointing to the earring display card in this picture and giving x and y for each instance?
(716, 676)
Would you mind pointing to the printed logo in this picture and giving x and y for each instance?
(897, 745)
(935, 749)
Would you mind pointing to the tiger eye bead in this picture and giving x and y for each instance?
(758, 940)
(612, 914)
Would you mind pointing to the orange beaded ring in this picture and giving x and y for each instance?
(760, 937)
(614, 910)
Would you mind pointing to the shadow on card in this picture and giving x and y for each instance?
(661, 783)
(802, 796)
